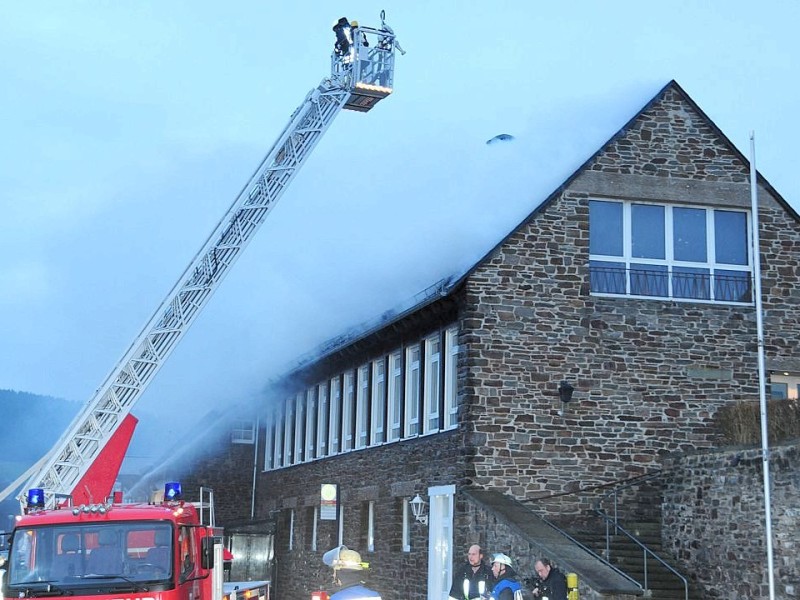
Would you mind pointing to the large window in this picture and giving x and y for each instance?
(348, 410)
(433, 382)
(323, 413)
(311, 423)
(412, 390)
(362, 406)
(378, 434)
(395, 395)
(664, 251)
(336, 415)
(451, 378)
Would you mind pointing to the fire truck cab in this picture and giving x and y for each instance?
(148, 551)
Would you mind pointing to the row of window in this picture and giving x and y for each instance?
(408, 392)
(681, 252)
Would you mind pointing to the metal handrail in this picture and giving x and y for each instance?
(614, 521)
(589, 550)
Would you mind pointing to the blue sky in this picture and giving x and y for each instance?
(129, 127)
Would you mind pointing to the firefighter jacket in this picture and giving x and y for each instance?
(507, 587)
(467, 583)
(356, 592)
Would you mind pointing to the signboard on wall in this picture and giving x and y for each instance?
(329, 501)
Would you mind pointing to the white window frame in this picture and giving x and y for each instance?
(314, 529)
(269, 439)
(288, 428)
(412, 390)
(432, 384)
(291, 529)
(371, 526)
(243, 431)
(348, 408)
(323, 419)
(627, 259)
(451, 377)
(362, 406)
(311, 416)
(406, 536)
(395, 396)
(335, 421)
(378, 429)
(299, 427)
(279, 433)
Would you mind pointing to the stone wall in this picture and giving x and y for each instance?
(714, 520)
(649, 374)
(384, 475)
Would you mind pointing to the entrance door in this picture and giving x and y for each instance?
(440, 541)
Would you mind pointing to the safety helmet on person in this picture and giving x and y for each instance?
(501, 558)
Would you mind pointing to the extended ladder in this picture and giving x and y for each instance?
(362, 74)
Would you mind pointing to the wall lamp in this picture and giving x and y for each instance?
(565, 391)
(418, 508)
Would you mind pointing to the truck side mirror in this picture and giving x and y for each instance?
(207, 552)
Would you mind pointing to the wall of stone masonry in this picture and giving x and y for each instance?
(714, 521)
(649, 374)
(385, 475)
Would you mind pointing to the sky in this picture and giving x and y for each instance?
(130, 127)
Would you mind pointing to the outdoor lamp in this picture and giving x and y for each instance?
(418, 508)
(565, 391)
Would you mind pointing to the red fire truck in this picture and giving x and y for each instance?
(160, 550)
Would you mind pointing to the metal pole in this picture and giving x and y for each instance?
(762, 377)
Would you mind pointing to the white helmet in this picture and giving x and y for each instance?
(501, 558)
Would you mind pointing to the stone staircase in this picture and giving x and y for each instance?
(627, 556)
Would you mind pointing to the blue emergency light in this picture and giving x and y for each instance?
(36, 498)
(172, 491)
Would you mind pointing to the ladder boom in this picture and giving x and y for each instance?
(361, 76)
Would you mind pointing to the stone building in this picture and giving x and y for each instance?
(629, 285)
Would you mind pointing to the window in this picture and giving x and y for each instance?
(664, 251)
(288, 430)
(323, 414)
(348, 410)
(299, 427)
(371, 526)
(395, 394)
(451, 378)
(269, 441)
(378, 402)
(311, 422)
(406, 526)
(279, 433)
(314, 520)
(362, 406)
(243, 432)
(784, 386)
(412, 390)
(291, 530)
(336, 415)
(433, 382)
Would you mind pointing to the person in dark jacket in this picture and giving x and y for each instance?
(474, 578)
(553, 584)
(506, 586)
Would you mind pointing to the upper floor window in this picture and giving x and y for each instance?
(378, 401)
(244, 431)
(664, 251)
(348, 410)
(362, 406)
(413, 355)
(395, 393)
(323, 413)
(451, 378)
(433, 382)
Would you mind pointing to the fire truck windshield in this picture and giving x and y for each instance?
(77, 556)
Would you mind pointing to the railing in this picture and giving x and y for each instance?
(682, 283)
(612, 522)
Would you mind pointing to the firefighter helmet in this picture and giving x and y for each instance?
(348, 559)
(502, 559)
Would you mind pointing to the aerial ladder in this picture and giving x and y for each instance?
(82, 466)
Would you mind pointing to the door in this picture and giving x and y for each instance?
(440, 541)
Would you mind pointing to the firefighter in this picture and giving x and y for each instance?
(506, 586)
(349, 575)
